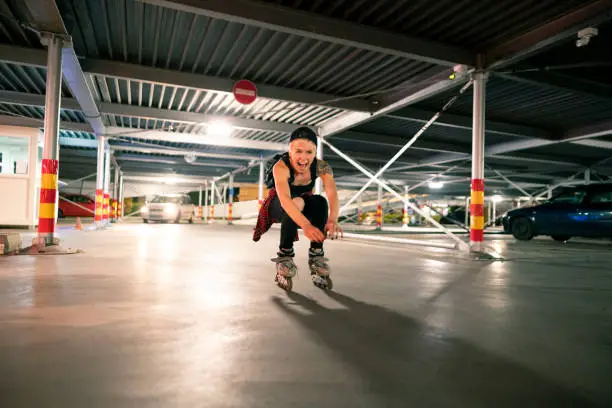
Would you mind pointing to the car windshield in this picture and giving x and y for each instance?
(568, 197)
(167, 199)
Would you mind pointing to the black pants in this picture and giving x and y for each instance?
(315, 210)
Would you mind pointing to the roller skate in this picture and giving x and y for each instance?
(285, 270)
(319, 269)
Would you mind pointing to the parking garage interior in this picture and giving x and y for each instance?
(470, 144)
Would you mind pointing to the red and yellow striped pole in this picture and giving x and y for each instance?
(379, 217)
(230, 213)
(212, 213)
(478, 161)
(99, 209)
(119, 209)
(114, 204)
(477, 212)
(48, 200)
(105, 208)
(47, 209)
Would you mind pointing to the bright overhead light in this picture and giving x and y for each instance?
(219, 129)
(497, 198)
(436, 184)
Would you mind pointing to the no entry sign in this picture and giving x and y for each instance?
(245, 92)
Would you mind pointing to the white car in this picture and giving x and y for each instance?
(169, 208)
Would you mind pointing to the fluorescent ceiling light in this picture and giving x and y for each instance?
(436, 184)
(219, 129)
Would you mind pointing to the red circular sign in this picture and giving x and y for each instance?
(245, 91)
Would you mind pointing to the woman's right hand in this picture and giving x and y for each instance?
(313, 233)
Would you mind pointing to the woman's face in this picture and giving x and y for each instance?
(301, 154)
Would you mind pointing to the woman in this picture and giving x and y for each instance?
(291, 202)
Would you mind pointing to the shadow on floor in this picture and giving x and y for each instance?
(404, 363)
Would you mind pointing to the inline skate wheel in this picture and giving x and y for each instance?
(283, 282)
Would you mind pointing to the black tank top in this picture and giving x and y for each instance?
(297, 191)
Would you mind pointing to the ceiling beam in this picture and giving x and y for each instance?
(426, 85)
(8, 120)
(148, 159)
(548, 34)
(310, 25)
(37, 58)
(176, 152)
(562, 82)
(45, 16)
(572, 136)
(465, 122)
(192, 117)
(75, 142)
(27, 99)
(191, 138)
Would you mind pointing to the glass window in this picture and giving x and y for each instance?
(568, 197)
(167, 199)
(602, 198)
(14, 153)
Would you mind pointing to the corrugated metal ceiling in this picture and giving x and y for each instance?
(23, 78)
(39, 112)
(132, 31)
(147, 94)
(466, 23)
(539, 106)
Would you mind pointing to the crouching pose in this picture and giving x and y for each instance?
(291, 202)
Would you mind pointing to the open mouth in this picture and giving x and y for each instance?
(302, 165)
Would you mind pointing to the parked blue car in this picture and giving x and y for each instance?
(579, 211)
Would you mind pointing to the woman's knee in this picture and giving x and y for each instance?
(319, 202)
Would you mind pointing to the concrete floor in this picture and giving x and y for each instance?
(188, 316)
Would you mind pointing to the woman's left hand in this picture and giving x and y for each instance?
(332, 229)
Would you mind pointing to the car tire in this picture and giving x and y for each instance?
(522, 229)
(560, 238)
(60, 214)
(145, 221)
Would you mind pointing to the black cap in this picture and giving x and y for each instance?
(304, 132)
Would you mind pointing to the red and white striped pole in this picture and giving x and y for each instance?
(50, 161)
(478, 144)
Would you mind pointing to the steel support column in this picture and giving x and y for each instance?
(47, 212)
(587, 176)
(200, 204)
(115, 205)
(206, 203)
(230, 204)
(379, 211)
(478, 143)
(319, 157)
(99, 213)
(107, 164)
(121, 196)
(211, 209)
(405, 210)
(260, 195)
